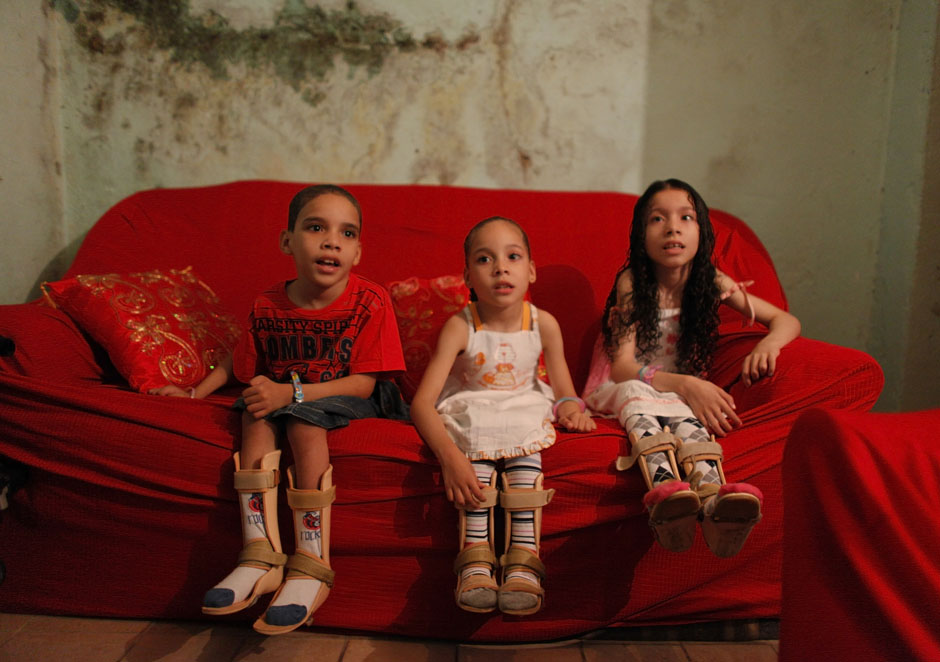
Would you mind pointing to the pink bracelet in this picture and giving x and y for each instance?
(646, 374)
(561, 400)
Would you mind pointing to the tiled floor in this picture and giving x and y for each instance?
(45, 638)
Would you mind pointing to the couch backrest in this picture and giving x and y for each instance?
(229, 234)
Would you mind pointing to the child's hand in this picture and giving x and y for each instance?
(171, 390)
(460, 481)
(578, 421)
(761, 362)
(711, 405)
(264, 396)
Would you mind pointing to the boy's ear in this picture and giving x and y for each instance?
(284, 241)
(358, 254)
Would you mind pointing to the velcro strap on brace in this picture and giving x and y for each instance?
(260, 551)
(661, 441)
(705, 449)
(311, 567)
(474, 555)
(311, 499)
(522, 556)
(256, 480)
(525, 499)
(704, 491)
(490, 499)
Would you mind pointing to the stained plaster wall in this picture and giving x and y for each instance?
(780, 113)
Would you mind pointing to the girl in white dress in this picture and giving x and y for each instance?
(659, 332)
(481, 402)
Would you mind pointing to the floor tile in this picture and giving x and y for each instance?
(361, 649)
(185, 642)
(560, 652)
(291, 647)
(13, 621)
(48, 624)
(71, 646)
(633, 652)
(730, 652)
(12, 624)
(41, 638)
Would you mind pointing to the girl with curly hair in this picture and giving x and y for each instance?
(659, 332)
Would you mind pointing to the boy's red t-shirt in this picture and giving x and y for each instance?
(355, 334)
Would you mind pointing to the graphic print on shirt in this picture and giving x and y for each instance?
(503, 376)
(318, 350)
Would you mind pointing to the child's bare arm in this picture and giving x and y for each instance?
(624, 365)
(264, 395)
(212, 382)
(460, 480)
(569, 412)
(783, 327)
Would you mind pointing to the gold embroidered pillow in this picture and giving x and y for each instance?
(422, 305)
(159, 327)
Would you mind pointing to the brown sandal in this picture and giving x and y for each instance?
(729, 511)
(518, 597)
(483, 586)
(261, 553)
(673, 506)
(302, 565)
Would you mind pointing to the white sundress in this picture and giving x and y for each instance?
(624, 399)
(493, 404)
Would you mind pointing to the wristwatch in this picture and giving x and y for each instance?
(298, 388)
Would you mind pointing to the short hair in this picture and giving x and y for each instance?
(470, 235)
(309, 193)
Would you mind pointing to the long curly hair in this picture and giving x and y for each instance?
(639, 312)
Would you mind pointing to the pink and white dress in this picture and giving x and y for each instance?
(625, 399)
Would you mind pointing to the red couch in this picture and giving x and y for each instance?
(129, 509)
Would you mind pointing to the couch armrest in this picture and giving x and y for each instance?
(47, 344)
(861, 574)
(810, 373)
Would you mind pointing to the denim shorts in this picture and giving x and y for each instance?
(337, 410)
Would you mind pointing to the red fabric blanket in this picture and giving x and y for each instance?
(129, 509)
(861, 573)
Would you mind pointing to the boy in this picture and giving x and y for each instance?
(315, 349)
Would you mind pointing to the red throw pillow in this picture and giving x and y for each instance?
(158, 327)
(422, 305)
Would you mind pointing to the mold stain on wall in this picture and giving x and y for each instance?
(301, 48)
(180, 92)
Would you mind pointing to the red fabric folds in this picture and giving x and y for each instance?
(861, 573)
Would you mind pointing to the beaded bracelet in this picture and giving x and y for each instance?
(298, 388)
(646, 374)
(567, 397)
